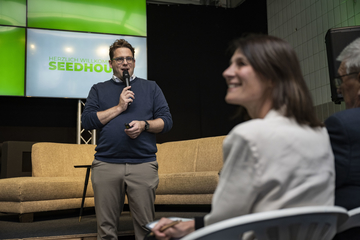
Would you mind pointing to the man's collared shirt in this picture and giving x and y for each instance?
(116, 79)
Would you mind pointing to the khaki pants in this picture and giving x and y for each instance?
(110, 182)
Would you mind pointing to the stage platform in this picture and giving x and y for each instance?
(65, 225)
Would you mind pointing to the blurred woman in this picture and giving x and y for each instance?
(282, 157)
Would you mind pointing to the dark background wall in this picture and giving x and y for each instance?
(187, 53)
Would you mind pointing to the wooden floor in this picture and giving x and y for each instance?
(90, 236)
(65, 225)
(58, 225)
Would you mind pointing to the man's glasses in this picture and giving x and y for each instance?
(338, 80)
(121, 59)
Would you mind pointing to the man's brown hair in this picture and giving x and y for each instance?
(120, 43)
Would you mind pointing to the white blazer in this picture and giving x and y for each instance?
(273, 163)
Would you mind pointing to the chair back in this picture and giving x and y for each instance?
(302, 223)
(353, 220)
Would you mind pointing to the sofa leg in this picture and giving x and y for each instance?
(26, 217)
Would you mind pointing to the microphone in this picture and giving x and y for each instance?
(127, 80)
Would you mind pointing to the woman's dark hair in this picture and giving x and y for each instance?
(274, 59)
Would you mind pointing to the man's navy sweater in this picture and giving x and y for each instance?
(114, 145)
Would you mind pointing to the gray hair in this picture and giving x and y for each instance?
(351, 56)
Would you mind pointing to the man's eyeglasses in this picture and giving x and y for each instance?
(121, 59)
(338, 80)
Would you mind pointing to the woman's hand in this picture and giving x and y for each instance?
(179, 230)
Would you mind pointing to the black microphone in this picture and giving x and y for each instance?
(127, 80)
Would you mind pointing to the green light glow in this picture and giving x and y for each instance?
(12, 61)
(13, 12)
(121, 17)
(106, 16)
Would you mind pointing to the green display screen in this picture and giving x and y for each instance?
(13, 12)
(12, 61)
(112, 17)
(106, 16)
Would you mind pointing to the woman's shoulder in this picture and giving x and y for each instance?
(260, 125)
(274, 128)
(252, 125)
(249, 130)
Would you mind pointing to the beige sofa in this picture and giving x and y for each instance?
(188, 172)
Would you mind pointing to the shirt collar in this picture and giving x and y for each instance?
(116, 79)
(275, 113)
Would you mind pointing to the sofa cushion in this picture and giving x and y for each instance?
(177, 157)
(188, 183)
(58, 159)
(197, 155)
(43, 206)
(210, 154)
(183, 199)
(23, 189)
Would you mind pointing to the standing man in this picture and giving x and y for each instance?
(125, 160)
(344, 131)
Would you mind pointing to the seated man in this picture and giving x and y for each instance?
(344, 131)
